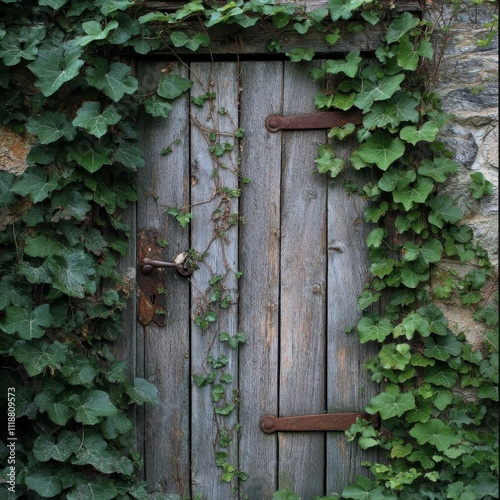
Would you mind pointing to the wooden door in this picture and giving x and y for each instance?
(291, 251)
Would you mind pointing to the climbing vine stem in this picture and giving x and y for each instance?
(68, 123)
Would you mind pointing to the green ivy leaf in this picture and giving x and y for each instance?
(90, 118)
(27, 324)
(55, 66)
(411, 277)
(73, 272)
(412, 323)
(181, 39)
(480, 186)
(95, 31)
(143, 392)
(36, 183)
(37, 356)
(443, 210)
(348, 66)
(438, 168)
(172, 86)
(328, 162)
(374, 213)
(410, 195)
(427, 132)
(45, 481)
(47, 448)
(391, 405)
(443, 399)
(91, 406)
(443, 347)
(435, 432)
(90, 156)
(396, 179)
(299, 54)
(24, 45)
(333, 38)
(115, 83)
(342, 132)
(382, 149)
(157, 107)
(92, 487)
(50, 126)
(114, 425)
(343, 8)
(378, 91)
(13, 292)
(57, 411)
(108, 6)
(129, 154)
(394, 356)
(375, 238)
(43, 246)
(371, 330)
(69, 205)
(402, 107)
(400, 26)
(285, 495)
(441, 375)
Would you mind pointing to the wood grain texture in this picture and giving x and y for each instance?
(349, 384)
(164, 183)
(303, 290)
(209, 175)
(261, 84)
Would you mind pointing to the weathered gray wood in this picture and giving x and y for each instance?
(209, 174)
(233, 39)
(303, 290)
(164, 183)
(261, 84)
(349, 384)
(309, 5)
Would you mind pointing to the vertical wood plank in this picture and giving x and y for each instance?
(349, 384)
(163, 355)
(126, 348)
(261, 84)
(303, 291)
(209, 175)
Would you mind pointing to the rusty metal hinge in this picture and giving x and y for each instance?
(151, 300)
(318, 120)
(319, 422)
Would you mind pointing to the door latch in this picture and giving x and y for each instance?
(149, 265)
(319, 422)
(152, 300)
(318, 120)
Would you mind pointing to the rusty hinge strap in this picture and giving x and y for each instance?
(318, 120)
(320, 422)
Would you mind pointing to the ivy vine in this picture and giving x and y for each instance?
(69, 104)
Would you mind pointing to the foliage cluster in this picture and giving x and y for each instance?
(65, 83)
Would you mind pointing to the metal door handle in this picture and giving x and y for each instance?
(148, 265)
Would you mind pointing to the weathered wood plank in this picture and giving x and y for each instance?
(165, 183)
(309, 5)
(233, 39)
(349, 385)
(211, 213)
(303, 291)
(261, 84)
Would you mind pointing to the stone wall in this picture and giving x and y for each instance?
(467, 81)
